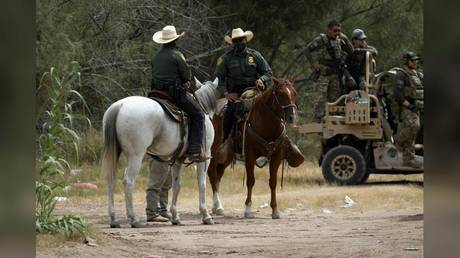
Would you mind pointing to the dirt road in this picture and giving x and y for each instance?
(299, 233)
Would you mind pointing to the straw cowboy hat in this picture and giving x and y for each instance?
(238, 33)
(166, 35)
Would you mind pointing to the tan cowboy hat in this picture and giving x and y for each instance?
(166, 35)
(238, 33)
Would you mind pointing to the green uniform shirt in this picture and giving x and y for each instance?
(237, 71)
(169, 68)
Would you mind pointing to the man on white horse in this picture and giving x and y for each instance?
(171, 74)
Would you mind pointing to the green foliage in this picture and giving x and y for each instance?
(112, 40)
(56, 138)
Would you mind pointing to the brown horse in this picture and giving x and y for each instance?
(265, 136)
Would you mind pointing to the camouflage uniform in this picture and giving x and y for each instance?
(236, 72)
(408, 87)
(327, 56)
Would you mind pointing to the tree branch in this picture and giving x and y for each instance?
(147, 61)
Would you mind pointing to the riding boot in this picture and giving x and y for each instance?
(193, 109)
(293, 154)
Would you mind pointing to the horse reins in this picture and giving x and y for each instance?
(271, 146)
(283, 107)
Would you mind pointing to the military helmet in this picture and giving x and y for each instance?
(409, 55)
(358, 34)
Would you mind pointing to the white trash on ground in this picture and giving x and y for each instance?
(327, 211)
(60, 198)
(265, 205)
(348, 202)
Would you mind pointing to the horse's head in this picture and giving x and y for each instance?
(207, 94)
(284, 95)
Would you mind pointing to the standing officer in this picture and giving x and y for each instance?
(238, 69)
(327, 55)
(408, 94)
(171, 74)
(159, 183)
(356, 62)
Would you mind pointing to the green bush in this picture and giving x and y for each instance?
(57, 136)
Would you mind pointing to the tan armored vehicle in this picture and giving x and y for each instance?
(356, 135)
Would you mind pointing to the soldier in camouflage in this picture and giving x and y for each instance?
(408, 94)
(238, 69)
(356, 62)
(327, 54)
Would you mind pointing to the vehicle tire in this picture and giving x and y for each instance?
(366, 176)
(344, 165)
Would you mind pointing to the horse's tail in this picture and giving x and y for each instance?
(112, 149)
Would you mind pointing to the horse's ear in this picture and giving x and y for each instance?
(275, 80)
(292, 78)
(216, 81)
(197, 83)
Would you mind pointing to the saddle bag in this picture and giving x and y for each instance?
(248, 98)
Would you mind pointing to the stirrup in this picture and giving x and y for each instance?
(195, 158)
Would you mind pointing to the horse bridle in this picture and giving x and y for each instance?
(283, 107)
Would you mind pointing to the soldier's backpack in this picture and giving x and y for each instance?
(387, 99)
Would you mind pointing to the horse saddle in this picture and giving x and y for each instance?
(167, 103)
(176, 114)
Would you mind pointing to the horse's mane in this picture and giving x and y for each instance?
(265, 96)
(206, 95)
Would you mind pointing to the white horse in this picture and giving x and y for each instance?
(136, 124)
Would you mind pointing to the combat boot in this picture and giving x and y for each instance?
(413, 162)
(165, 215)
(155, 217)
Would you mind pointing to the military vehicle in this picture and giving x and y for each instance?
(357, 135)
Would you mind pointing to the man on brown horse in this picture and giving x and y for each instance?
(237, 70)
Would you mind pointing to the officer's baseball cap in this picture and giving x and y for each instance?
(358, 34)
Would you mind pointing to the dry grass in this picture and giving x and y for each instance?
(304, 187)
(44, 241)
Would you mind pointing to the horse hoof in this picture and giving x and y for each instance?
(115, 224)
(208, 221)
(248, 215)
(276, 215)
(137, 224)
(176, 222)
(219, 211)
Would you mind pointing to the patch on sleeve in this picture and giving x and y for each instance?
(182, 56)
(219, 61)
